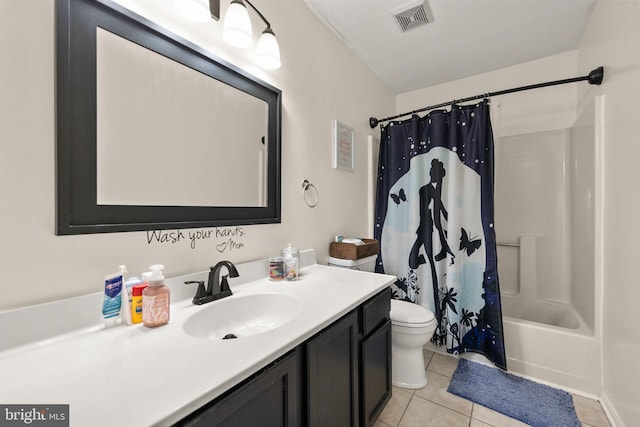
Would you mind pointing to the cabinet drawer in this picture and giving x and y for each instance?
(375, 311)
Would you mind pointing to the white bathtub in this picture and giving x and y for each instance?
(546, 340)
(562, 316)
(550, 342)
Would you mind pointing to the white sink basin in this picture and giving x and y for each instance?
(243, 316)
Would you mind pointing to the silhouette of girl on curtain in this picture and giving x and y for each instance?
(431, 211)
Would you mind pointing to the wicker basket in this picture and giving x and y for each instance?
(351, 251)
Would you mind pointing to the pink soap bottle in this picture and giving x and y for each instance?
(155, 299)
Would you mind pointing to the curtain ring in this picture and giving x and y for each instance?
(305, 186)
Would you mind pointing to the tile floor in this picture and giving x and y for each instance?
(433, 406)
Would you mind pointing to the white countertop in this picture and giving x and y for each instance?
(133, 375)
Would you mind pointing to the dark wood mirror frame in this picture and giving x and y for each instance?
(77, 209)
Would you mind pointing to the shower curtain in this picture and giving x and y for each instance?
(434, 221)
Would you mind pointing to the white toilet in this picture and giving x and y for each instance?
(412, 326)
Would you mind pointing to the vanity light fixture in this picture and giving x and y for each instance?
(237, 29)
(268, 50)
(237, 25)
(237, 32)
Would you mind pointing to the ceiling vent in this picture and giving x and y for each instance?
(412, 15)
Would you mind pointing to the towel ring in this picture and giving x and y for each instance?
(306, 185)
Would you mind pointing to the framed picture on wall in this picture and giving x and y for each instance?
(343, 148)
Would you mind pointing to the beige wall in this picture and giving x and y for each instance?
(320, 79)
(613, 39)
(538, 110)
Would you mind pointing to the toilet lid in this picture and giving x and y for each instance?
(409, 313)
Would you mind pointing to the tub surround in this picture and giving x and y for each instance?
(547, 197)
(132, 375)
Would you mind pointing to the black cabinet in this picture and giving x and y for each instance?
(332, 375)
(375, 357)
(269, 398)
(375, 377)
(349, 367)
(339, 377)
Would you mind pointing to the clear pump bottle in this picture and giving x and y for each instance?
(155, 299)
(291, 257)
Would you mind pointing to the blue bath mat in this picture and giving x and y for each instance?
(535, 404)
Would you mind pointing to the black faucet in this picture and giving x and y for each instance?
(216, 288)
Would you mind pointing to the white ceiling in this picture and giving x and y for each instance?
(466, 37)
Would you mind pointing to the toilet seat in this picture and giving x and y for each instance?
(410, 315)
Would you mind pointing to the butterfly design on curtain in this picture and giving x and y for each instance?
(469, 245)
(400, 197)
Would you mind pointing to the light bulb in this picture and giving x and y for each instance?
(268, 51)
(237, 25)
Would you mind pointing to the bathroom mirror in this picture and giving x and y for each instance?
(153, 132)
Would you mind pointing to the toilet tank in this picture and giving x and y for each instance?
(362, 264)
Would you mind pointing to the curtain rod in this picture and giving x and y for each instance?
(594, 78)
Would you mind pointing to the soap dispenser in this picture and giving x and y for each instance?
(155, 299)
(291, 257)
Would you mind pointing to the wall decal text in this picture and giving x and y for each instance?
(227, 238)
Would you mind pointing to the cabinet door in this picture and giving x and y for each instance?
(332, 375)
(272, 398)
(375, 371)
